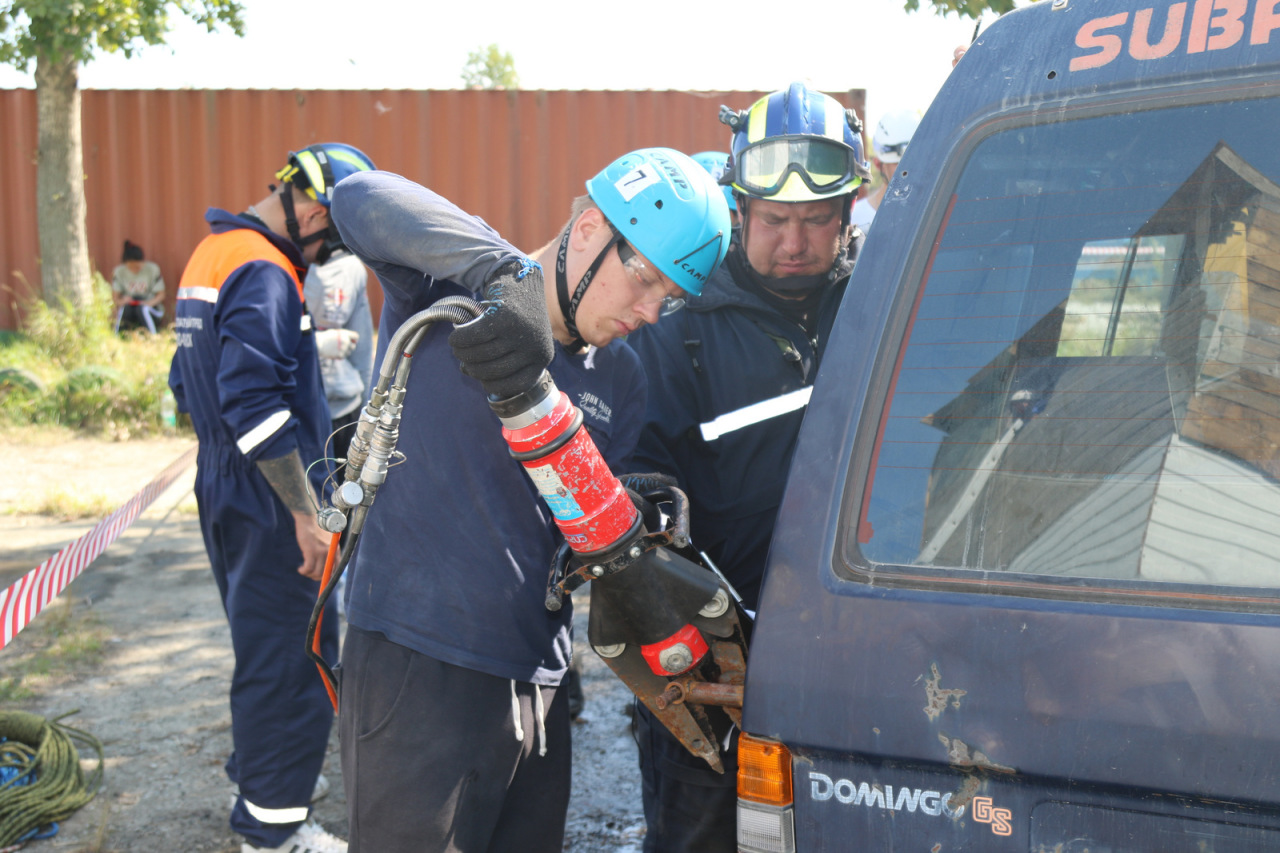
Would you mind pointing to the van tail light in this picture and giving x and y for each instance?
(764, 771)
(765, 820)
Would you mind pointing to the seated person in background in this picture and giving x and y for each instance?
(138, 291)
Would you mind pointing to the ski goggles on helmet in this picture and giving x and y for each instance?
(824, 165)
(891, 153)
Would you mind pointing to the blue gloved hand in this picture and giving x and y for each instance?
(510, 344)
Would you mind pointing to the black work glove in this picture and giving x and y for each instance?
(508, 346)
(642, 483)
(639, 487)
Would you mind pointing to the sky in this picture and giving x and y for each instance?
(900, 58)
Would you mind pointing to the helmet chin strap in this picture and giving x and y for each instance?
(569, 304)
(332, 243)
(291, 220)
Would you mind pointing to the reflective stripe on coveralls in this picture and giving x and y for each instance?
(756, 412)
(293, 815)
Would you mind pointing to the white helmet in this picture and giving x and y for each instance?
(893, 133)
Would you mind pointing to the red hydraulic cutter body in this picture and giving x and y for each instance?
(667, 626)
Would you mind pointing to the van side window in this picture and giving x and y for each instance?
(1091, 383)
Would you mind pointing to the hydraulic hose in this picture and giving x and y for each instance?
(372, 448)
(317, 620)
(455, 310)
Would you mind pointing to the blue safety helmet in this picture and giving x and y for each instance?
(717, 165)
(796, 145)
(669, 209)
(321, 166)
(316, 170)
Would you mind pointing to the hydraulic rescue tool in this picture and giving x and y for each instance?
(661, 616)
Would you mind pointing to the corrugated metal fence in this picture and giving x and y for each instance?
(154, 160)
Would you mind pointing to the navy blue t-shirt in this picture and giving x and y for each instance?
(454, 557)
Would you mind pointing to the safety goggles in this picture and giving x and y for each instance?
(645, 279)
(823, 164)
(892, 153)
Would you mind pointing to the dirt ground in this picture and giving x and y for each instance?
(156, 693)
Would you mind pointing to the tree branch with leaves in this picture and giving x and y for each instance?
(490, 68)
(59, 36)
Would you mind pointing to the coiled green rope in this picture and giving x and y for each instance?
(44, 754)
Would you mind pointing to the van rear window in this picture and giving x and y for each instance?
(1091, 383)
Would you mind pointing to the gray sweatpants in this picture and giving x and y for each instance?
(431, 760)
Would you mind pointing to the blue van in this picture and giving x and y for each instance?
(1024, 593)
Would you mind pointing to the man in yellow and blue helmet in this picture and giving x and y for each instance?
(729, 379)
(246, 370)
(453, 722)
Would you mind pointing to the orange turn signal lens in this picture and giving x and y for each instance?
(764, 771)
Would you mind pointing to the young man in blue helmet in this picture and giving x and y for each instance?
(729, 378)
(246, 370)
(454, 733)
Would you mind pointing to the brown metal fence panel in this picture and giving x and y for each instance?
(155, 160)
(19, 241)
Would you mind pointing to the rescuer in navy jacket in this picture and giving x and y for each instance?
(729, 380)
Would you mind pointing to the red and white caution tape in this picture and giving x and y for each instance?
(22, 601)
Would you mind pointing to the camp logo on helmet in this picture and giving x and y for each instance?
(679, 180)
(692, 270)
(683, 263)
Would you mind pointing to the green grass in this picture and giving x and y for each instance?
(68, 368)
(67, 505)
(60, 640)
(13, 690)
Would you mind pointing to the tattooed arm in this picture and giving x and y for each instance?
(289, 481)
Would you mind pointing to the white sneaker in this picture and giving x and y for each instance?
(319, 792)
(310, 838)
